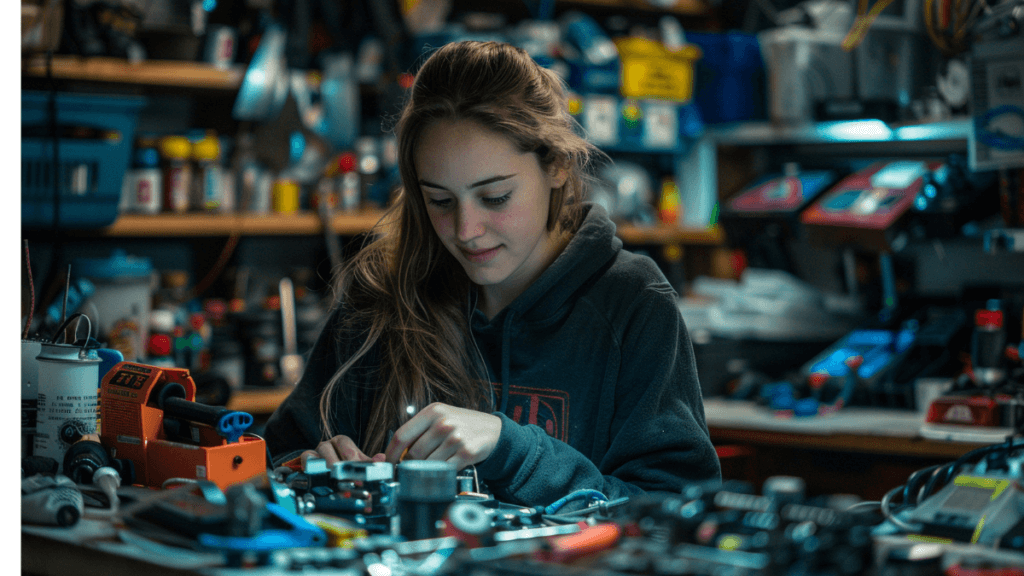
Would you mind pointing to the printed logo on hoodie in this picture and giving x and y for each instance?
(543, 407)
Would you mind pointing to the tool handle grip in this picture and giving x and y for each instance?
(228, 423)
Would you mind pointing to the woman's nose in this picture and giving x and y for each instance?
(470, 222)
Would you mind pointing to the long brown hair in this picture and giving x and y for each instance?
(403, 287)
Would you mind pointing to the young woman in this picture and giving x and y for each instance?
(495, 319)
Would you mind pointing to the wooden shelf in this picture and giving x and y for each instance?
(307, 223)
(146, 73)
(258, 401)
(669, 234)
(302, 223)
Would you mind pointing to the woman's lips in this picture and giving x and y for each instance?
(480, 256)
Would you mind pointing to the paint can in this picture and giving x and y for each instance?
(68, 395)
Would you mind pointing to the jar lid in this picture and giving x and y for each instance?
(147, 158)
(206, 149)
(118, 266)
(175, 147)
(285, 186)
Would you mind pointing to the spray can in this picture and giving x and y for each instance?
(68, 392)
(176, 151)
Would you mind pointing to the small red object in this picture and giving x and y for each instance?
(966, 410)
(590, 540)
(159, 345)
(346, 162)
(817, 380)
(988, 318)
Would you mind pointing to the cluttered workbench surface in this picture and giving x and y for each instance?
(962, 516)
(162, 484)
(123, 506)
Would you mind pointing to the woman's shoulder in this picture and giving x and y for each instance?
(634, 270)
(629, 283)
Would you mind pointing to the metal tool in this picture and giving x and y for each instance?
(426, 490)
(291, 360)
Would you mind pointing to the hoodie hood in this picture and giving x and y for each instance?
(591, 248)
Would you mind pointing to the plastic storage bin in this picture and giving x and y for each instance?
(96, 135)
(729, 85)
(649, 70)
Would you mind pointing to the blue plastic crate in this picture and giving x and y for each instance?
(729, 83)
(93, 154)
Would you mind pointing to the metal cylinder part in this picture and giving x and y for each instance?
(425, 491)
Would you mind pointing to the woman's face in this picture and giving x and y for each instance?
(488, 203)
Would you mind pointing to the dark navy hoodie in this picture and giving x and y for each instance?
(593, 372)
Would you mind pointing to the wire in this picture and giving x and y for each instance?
(584, 494)
(62, 329)
(912, 481)
(32, 293)
(873, 504)
(946, 473)
(218, 266)
(863, 21)
(178, 482)
(887, 512)
(601, 510)
(270, 459)
(947, 25)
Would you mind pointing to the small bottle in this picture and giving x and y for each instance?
(176, 152)
(160, 348)
(349, 190)
(286, 196)
(325, 195)
(145, 180)
(368, 156)
(390, 179)
(209, 186)
(668, 203)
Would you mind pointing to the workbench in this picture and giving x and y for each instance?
(857, 450)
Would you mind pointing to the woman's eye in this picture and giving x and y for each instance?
(498, 200)
(442, 203)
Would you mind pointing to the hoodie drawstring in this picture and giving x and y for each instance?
(505, 360)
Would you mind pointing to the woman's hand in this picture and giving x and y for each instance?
(339, 449)
(446, 433)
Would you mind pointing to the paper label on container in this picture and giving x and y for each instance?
(601, 119)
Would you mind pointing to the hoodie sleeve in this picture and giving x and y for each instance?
(295, 426)
(658, 437)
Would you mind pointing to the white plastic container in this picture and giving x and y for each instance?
(121, 305)
(68, 389)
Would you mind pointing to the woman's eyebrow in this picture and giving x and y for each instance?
(484, 182)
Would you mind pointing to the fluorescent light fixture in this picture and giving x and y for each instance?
(855, 131)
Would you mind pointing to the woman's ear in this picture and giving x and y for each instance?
(558, 173)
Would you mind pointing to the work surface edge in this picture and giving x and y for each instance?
(854, 428)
